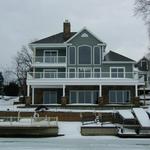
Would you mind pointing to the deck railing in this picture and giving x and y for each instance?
(49, 59)
(55, 75)
(28, 121)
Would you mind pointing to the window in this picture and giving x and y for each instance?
(117, 72)
(97, 73)
(72, 55)
(50, 97)
(50, 56)
(84, 72)
(73, 97)
(87, 96)
(119, 96)
(84, 55)
(97, 55)
(72, 72)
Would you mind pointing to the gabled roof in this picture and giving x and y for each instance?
(77, 33)
(57, 38)
(112, 56)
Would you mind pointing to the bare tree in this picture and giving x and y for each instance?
(23, 62)
(142, 8)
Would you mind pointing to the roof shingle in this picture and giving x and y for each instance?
(57, 38)
(112, 56)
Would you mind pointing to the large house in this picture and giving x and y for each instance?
(74, 68)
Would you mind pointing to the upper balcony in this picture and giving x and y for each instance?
(85, 77)
(49, 61)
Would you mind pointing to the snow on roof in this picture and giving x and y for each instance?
(126, 114)
(142, 117)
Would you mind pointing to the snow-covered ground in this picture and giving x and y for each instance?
(72, 139)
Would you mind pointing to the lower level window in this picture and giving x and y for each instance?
(50, 97)
(119, 96)
(83, 97)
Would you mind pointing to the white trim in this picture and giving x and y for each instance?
(100, 90)
(119, 62)
(32, 95)
(136, 90)
(69, 55)
(78, 54)
(117, 71)
(64, 93)
(100, 49)
(28, 90)
(87, 31)
(43, 45)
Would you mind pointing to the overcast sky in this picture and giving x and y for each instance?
(22, 21)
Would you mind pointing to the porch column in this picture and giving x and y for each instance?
(64, 87)
(64, 98)
(28, 90)
(32, 95)
(136, 90)
(100, 90)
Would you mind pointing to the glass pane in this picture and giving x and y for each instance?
(97, 56)
(112, 96)
(88, 72)
(53, 97)
(97, 73)
(81, 73)
(46, 97)
(95, 97)
(84, 55)
(119, 96)
(73, 97)
(126, 96)
(71, 73)
(81, 97)
(114, 75)
(113, 69)
(120, 72)
(88, 97)
(72, 55)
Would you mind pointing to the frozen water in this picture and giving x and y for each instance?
(72, 140)
(85, 143)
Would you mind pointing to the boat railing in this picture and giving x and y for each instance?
(29, 121)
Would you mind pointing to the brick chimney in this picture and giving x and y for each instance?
(67, 30)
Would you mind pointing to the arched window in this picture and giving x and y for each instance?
(84, 54)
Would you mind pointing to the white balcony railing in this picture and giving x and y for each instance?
(59, 75)
(49, 59)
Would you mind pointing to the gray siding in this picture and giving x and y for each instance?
(78, 41)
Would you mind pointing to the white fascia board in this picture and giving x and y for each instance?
(84, 28)
(95, 82)
(118, 62)
(49, 45)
